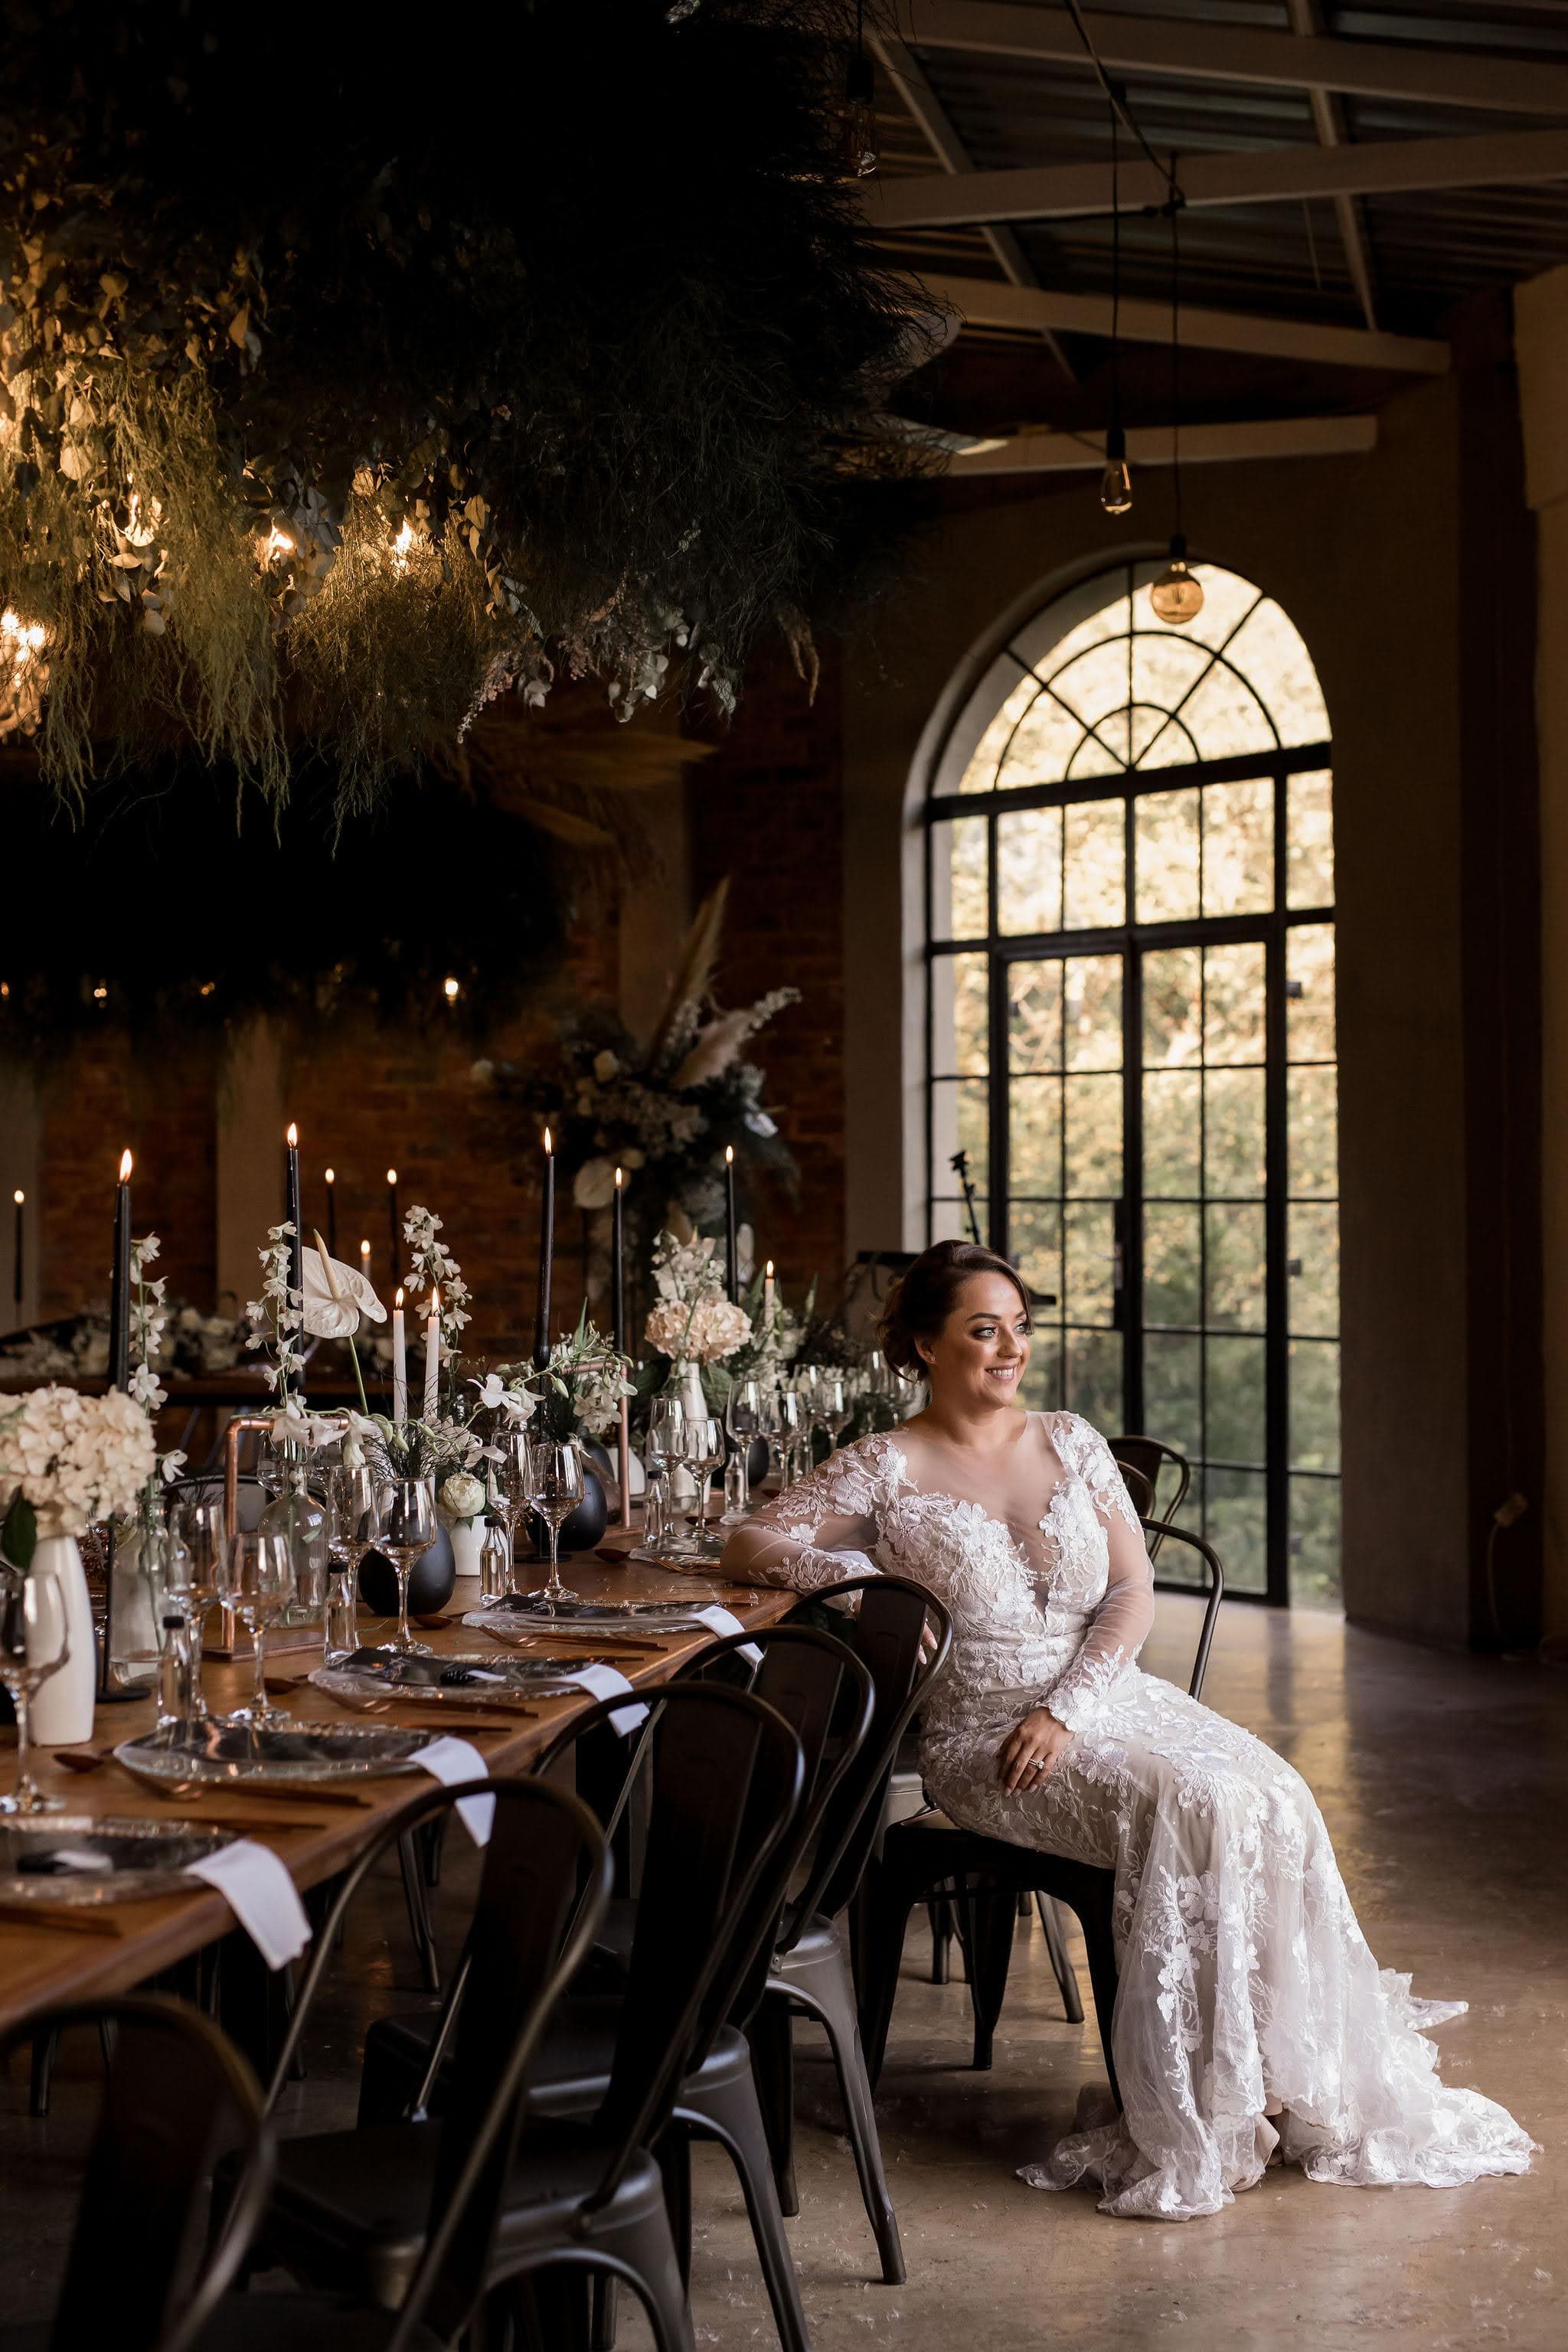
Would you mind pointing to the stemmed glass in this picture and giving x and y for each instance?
(554, 1490)
(35, 1642)
(661, 1456)
(256, 1579)
(702, 1450)
(506, 1490)
(353, 1528)
(789, 1435)
(192, 1583)
(407, 1507)
(752, 1411)
(830, 1407)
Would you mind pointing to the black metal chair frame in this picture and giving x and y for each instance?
(1148, 1456)
(539, 2227)
(810, 1974)
(919, 1857)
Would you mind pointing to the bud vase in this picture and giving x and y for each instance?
(468, 1543)
(61, 1714)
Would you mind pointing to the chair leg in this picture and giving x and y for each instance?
(675, 2169)
(831, 1999)
(993, 1915)
(408, 1862)
(733, 2116)
(884, 1917)
(939, 1910)
(1094, 1908)
(771, 2034)
(1061, 1967)
(46, 2049)
(648, 2254)
(606, 2311)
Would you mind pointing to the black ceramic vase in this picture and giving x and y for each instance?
(587, 1525)
(429, 1587)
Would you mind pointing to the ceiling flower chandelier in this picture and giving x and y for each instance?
(322, 431)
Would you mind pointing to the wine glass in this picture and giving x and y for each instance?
(193, 1582)
(554, 1490)
(408, 1506)
(830, 1405)
(506, 1489)
(256, 1579)
(353, 1528)
(789, 1435)
(702, 1450)
(750, 1412)
(662, 1455)
(35, 1642)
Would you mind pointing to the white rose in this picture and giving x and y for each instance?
(463, 1495)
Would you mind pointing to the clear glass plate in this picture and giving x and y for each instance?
(78, 1861)
(235, 1752)
(484, 1679)
(523, 1609)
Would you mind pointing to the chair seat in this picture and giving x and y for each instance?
(350, 2207)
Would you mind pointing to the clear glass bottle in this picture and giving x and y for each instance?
(295, 1514)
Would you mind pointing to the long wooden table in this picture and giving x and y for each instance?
(43, 1964)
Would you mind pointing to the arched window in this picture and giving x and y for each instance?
(1131, 1024)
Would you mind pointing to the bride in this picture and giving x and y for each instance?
(1251, 2018)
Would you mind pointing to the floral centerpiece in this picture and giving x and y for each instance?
(578, 1392)
(692, 1323)
(67, 1460)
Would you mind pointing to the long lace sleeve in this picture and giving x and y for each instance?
(817, 1531)
(1120, 1626)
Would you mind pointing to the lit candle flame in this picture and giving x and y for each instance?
(620, 1178)
(548, 1145)
(769, 1270)
(729, 1155)
(331, 1175)
(451, 990)
(398, 1302)
(292, 1137)
(392, 1175)
(435, 1304)
(364, 1251)
(19, 1196)
(125, 1168)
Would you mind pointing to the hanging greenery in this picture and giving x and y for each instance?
(345, 386)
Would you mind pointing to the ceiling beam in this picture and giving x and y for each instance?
(1202, 445)
(983, 302)
(1269, 175)
(1131, 43)
(1329, 121)
(910, 80)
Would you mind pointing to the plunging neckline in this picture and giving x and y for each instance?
(963, 1503)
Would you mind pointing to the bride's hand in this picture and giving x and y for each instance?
(1031, 1750)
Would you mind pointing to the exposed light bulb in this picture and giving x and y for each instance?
(1116, 482)
(450, 990)
(857, 119)
(1178, 596)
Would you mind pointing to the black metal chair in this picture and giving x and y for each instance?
(1149, 1458)
(178, 2098)
(809, 1974)
(922, 1856)
(825, 1694)
(576, 2197)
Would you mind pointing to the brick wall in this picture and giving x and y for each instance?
(767, 810)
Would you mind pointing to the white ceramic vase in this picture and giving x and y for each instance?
(468, 1542)
(62, 1711)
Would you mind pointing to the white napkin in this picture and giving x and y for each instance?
(451, 1760)
(604, 1681)
(262, 1897)
(720, 1620)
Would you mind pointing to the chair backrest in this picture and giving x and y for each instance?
(177, 2098)
(886, 1633)
(1214, 1575)
(1149, 1456)
(728, 1780)
(825, 1694)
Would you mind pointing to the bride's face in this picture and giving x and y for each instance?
(979, 1356)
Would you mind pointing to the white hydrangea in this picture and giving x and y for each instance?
(693, 1321)
(76, 1459)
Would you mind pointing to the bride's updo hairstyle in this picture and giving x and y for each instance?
(926, 1293)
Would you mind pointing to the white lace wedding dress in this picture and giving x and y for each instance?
(1251, 2014)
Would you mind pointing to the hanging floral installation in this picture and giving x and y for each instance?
(330, 409)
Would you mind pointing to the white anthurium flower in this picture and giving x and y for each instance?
(338, 1298)
(593, 1186)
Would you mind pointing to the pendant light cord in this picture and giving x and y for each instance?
(1119, 106)
(1176, 354)
(1115, 265)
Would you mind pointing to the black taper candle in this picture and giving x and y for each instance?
(546, 1258)
(332, 1213)
(119, 1282)
(395, 1236)
(19, 1197)
(292, 1209)
(617, 1265)
(732, 1244)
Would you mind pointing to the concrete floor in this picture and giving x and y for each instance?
(1444, 1782)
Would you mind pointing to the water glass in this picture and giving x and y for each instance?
(257, 1581)
(407, 1531)
(702, 1450)
(353, 1528)
(662, 1456)
(35, 1642)
(195, 1580)
(506, 1490)
(788, 1436)
(554, 1491)
(751, 1412)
